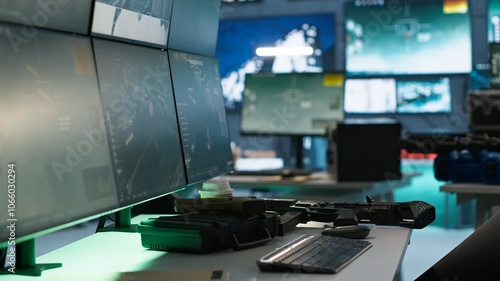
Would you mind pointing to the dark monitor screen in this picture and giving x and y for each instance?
(201, 115)
(408, 37)
(370, 95)
(52, 134)
(431, 95)
(301, 104)
(495, 64)
(194, 26)
(67, 15)
(139, 108)
(238, 40)
(141, 22)
(493, 21)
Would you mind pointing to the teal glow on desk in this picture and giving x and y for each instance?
(100, 256)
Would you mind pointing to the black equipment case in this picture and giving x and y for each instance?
(207, 232)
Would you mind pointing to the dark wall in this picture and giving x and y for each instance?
(456, 121)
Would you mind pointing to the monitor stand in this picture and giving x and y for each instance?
(22, 261)
(122, 223)
(298, 145)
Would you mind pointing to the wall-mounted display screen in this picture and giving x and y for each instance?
(424, 95)
(293, 104)
(141, 22)
(408, 37)
(373, 95)
(401, 94)
(238, 40)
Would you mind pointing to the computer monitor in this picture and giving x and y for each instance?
(424, 95)
(139, 22)
(54, 153)
(292, 104)
(495, 65)
(68, 15)
(370, 95)
(408, 37)
(493, 21)
(194, 26)
(238, 40)
(138, 103)
(201, 115)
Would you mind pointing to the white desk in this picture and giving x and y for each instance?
(99, 256)
(486, 196)
(320, 186)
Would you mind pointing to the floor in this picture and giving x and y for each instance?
(427, 245)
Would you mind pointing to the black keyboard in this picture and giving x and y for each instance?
(314, 254)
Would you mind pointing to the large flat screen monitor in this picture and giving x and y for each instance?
(370, 95)
(68, 15)
(408, 37)
(140, 22)
(292, 104)
(415, 94)
(139, 108)
(424, 95)
(201, 115)
(54, 152)
(238, 40)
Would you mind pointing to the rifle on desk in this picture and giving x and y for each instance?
(413, 214)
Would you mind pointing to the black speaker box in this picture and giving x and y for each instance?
(368, 149)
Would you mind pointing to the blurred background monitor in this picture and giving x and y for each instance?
(201, 115)
(138, 103)
(493, 21)
(51, 129)
(238, 40)
(432, 95)
(292, 104)
(370, 95)
(483, 107)
(408, 37)
(140, 22)
(495, 65)
(68, 15)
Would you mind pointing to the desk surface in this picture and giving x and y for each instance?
(317, 180)
(475, 188)
(321, 186)
(486, 196)
(100, 256)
